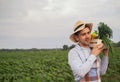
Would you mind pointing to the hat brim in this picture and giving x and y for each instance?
(72, 36)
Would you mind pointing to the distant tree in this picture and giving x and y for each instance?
(118, 44)
(65, 47)
(72, 46)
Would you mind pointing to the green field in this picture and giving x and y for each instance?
(46, 66)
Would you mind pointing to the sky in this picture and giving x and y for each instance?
(49, 23)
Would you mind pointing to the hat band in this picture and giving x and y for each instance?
(78, 27)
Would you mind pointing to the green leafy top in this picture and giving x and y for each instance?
(105, 33)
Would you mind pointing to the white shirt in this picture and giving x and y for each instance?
(81, 61)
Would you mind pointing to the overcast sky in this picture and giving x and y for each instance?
(48, 23)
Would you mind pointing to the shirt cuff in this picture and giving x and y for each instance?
(92, 58)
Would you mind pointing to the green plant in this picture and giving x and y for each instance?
(105, 33)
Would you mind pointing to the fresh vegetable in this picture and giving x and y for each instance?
(105, 34)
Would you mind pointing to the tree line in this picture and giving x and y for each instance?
(66, 47)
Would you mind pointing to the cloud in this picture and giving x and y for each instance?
(50, 22)
(12, 9)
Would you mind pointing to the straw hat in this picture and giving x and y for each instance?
(79, 25)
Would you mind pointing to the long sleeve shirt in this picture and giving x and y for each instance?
(81, 61)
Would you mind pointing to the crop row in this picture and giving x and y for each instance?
(47, 66)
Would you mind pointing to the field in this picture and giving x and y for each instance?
(46, 66)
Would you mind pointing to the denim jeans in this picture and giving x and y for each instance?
(77, 81)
